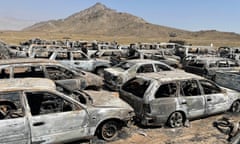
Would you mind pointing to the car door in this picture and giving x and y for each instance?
(191, 98)
(216, 100)
(65, 76)
(55, 119)
(165, 100)
(62, 57)
(13, 119)
(196, 67)
(81, 61)
(145, 68)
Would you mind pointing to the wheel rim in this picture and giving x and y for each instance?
(236, 106)
(176, 120)
(109, 131)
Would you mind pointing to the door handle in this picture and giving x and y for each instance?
(38, 123)
(76, 63)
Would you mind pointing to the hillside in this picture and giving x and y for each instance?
(101, 22)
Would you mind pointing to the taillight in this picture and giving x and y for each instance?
(146, 108)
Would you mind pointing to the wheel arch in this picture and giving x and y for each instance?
(100, 124)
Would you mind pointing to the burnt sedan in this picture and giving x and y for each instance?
(34, 111)
(114, 77)
(44, 68)
(207, 66)
(174, 98)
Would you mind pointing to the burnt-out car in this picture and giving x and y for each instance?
(32, 110)
(114, 77)
(207, 66)
(44, 68)
(76, 59)
(174, 98)
(162, 55)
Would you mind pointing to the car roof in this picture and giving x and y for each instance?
(142, 61)
(25, 60)
(26, 84)
(165, 76)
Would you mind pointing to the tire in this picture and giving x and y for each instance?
(175, 120)
(235, 107)
(109, 131)
(99, 71)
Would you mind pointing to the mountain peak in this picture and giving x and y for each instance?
(99, 6)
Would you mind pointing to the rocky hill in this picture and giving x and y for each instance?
(100, 20)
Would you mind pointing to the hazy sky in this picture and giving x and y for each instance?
(194, 15)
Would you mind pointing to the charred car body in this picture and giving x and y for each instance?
(114, 77)
(78, 60)
(44, 68)
(161, 55)
(207, 66)
(172, 98)
(33, 111)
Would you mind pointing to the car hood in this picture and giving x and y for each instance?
(107, 99)
(115, 71)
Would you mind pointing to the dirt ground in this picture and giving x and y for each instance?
(200, 131)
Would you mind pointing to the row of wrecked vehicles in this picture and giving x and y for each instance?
(75, 104)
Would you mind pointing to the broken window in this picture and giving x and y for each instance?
(166, 90)
(79, 56)
(136, 86)
(5, 73)
(160, 67)
(189, 88)
(28, 71)
(58, 73)
(46, 103)
(63, 56)
(10, 105)
(146, 68)
(209, 87)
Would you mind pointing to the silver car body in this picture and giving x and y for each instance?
(79, 60)
(74, 121)
(156, 96)
(114, 77)
(44, 68)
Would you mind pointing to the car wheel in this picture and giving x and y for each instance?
(175, 120)
(99, 71)
(235, 106)
(109, 130)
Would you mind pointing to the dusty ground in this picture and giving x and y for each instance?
(200, 132)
